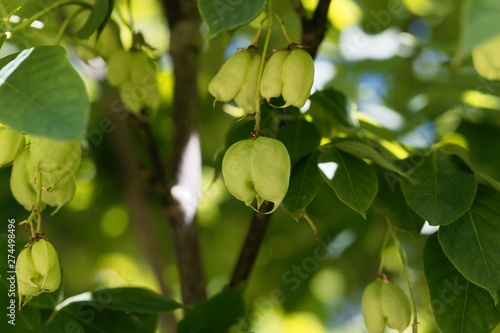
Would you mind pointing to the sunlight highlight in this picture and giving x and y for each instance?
(328, 169)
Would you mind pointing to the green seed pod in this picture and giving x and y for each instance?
(272, 78)
(28, 278)
(56, 160)
(61, 195)
(11, 144)
(231, 76)
(396, 306)
(22, 180)
(46, 262)
(257, 169)
(372, 308)
(132, 96)
(298, 78)
(118, 72)
(247, 96)
(384, 303)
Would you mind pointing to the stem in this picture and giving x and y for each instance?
(67, 21)
(313, 226)
(46, 10)
(261, 70)
(257, 35)
(283, 29)
(381, 265)
(405, 276)
(5, 15)
(39, 223)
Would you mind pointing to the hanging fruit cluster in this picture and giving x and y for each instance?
(289, 73)
(384, 303)
(43, 173)
(258, 169)
(134, 73)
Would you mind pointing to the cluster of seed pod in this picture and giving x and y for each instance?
(49, 165)
(237, 79)
(288, 73)
(134, 73)
(384, 303)
(37, 270)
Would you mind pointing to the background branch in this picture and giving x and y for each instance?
(314, 29)
(185, 43)
(138, 203)
(251, 247)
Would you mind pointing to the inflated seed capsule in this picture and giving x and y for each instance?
(60, 195)
(257, 170)
(118, 72)
(247, 95)
(396, 306)
(231, 76)
(46, 262)
(298, 78)
(272, 78)
(28, 278)
(384, 303)
(11, 144)
(22, 180)
(57, 160)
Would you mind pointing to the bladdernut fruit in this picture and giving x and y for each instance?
(257, 170)
(384, 303)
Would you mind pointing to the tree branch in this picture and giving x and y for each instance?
(251, 247)
(313, 30)
(139, 207)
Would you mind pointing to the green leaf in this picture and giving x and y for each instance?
(479, 23)
(305, 181)
(473, 242)
(42, 94)
(96, 318)
(362, 150)
(300, 138)
(391, 203)
(26, 321)
(214, 315)
(112, 310)
(453, 149)
(99, 16)
(334, 103)
(441, 189)
(457, 304)
(137, 300)
(352, 179)
(222, 15)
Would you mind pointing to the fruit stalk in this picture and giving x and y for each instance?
(261, 70)
(406, 277)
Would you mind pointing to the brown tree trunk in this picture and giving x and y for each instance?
(185, 43)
